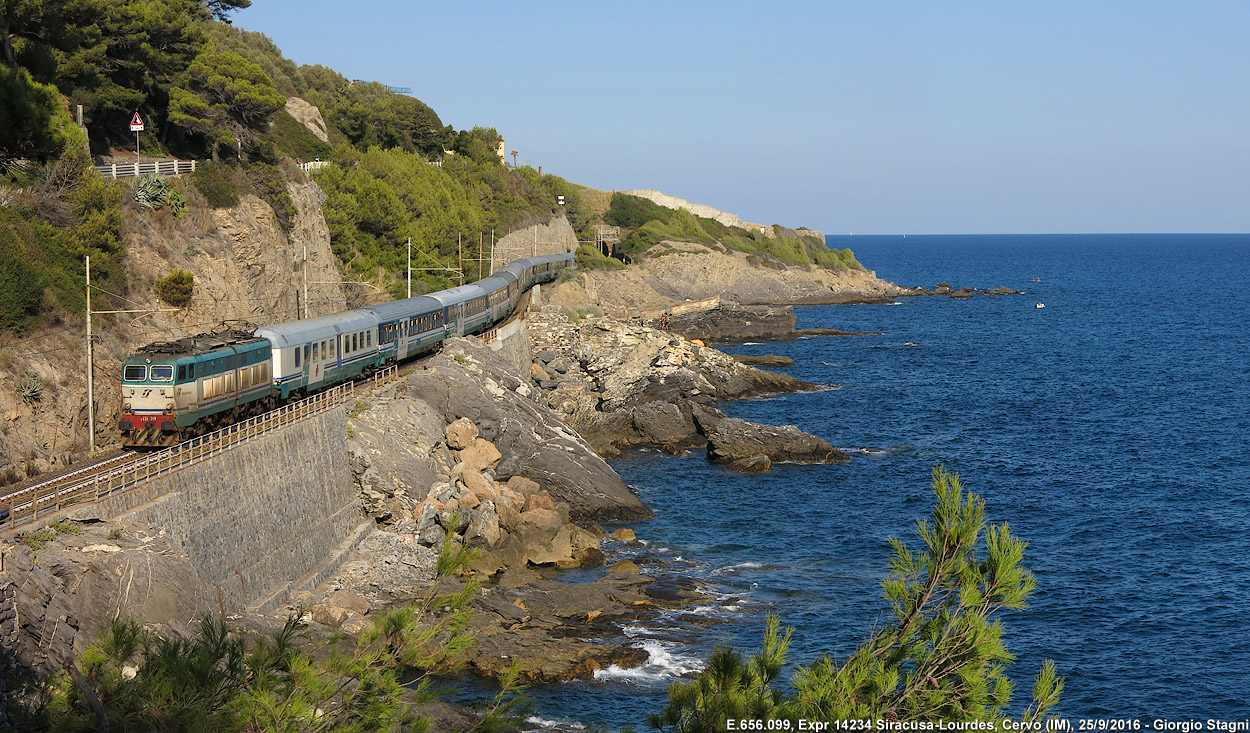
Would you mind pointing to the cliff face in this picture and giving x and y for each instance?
(247, 269)
(690, 271)
(711, 212)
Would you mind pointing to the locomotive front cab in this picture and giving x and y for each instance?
(149, 402)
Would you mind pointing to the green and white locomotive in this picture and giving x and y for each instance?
(174, 390)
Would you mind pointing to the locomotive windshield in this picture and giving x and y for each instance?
(135, 373)
(162, 373)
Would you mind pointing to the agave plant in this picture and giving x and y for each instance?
(150, 190)
(31, 388)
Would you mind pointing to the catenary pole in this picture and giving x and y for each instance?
(90, 380)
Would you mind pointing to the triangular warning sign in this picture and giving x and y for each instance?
(136, 120)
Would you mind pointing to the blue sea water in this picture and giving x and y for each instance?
(1110, 429)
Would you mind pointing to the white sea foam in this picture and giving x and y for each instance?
(546, 724)
(737, 568)
(711, 610)
(662, 663)
(751, 343)
(896, 303)
(634, 630)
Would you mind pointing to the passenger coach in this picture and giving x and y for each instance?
(321, 352)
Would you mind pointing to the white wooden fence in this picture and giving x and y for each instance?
(159, 167)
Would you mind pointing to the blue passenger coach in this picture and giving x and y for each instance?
(409, 327)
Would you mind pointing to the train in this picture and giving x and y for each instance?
(172, 391)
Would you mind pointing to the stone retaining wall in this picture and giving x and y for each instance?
(259, 518)
(554, 237)
(512, 342)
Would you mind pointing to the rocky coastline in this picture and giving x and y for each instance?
(514, 468)
(509, 462)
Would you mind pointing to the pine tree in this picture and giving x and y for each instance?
(942, 656)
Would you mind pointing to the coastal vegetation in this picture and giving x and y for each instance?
(176, 288)
(207, 90)
(222, 680)
(648, 224)
(941, 656)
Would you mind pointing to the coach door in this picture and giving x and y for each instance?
(318, 356)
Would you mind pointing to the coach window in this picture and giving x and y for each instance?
(333, 348)
(354, 346)
(368, 338)
(297, 357)
(182, 372)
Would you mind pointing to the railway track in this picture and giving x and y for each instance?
(50, 485)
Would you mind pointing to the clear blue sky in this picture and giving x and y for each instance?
(865, 117)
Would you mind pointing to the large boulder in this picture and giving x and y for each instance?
(665, 424)
(461, 434)
(733, 439)
(480, 455)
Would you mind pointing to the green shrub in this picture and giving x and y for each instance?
(218, 182)
(632, 212)
(295, 140)
(21, 286)
(176, 288)
(29, 114)
(589, 258)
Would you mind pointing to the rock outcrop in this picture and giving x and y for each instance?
(752, 447)
(565, 631)
(678, 272)
(59, 592)
(309, 116)
(623, 385)
(402, 447)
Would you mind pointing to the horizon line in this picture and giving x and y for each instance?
(1033, 234)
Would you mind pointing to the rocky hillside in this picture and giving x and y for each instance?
(675, 272)
(245, 268)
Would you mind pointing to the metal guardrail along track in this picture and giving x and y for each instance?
(105, 479)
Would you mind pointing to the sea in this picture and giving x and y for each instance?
(1110, 429)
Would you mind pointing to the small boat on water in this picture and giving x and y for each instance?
(1036, 280)
(1040, 305)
